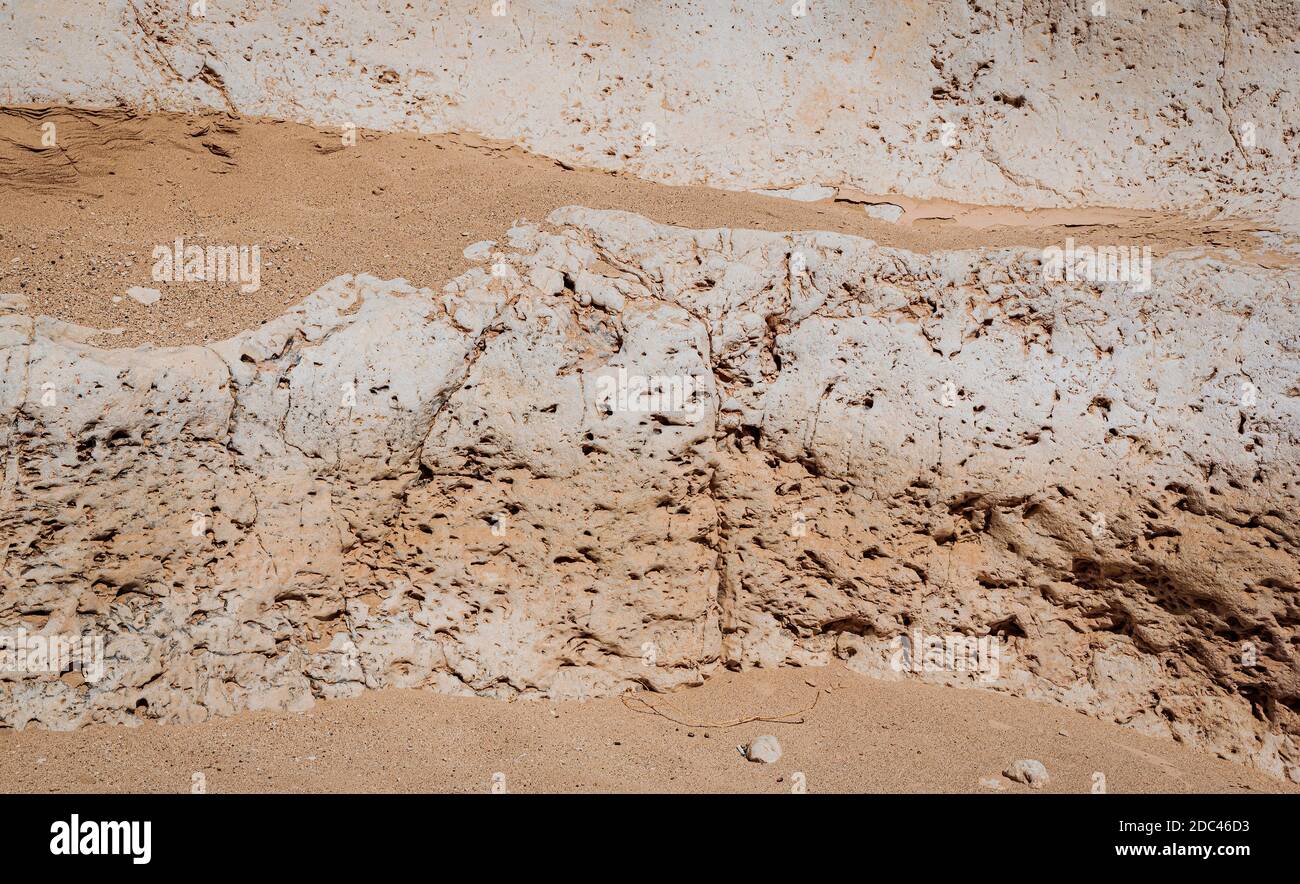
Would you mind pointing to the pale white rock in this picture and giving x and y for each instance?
(601, 292)
(348, 464)
(1028, 771)
(548, 280)
(1174, 106)
(805, 193)
(480, 251)
(144, 296)
(884, 211)
(765, 749)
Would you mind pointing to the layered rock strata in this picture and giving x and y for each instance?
(1180, 105)
(623, 455)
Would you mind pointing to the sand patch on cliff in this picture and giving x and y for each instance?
(80, 218)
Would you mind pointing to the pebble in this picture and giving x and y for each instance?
(885, 211)
(144, 296)
(1028, 771)
(765, 749)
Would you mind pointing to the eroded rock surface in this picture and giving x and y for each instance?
(1186, 106)
(846, 445)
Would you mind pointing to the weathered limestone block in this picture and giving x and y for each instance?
(643, 453)
(1186, 106)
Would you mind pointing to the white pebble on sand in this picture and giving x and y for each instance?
(765, 749)
(885, 211)
(1028, 771)
(143, 295)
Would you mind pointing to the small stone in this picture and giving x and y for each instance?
(143, 295)
(884, 211)
(1028, 771)
(993, 783)
(765, 749)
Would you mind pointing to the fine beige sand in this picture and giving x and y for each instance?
(79, 220)
(863, 735)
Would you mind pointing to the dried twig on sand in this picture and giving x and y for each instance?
(784, 718)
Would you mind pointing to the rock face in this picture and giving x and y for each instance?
(1173, 105)
(624, 455)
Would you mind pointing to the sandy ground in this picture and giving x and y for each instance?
(79, 219)
(862, 736)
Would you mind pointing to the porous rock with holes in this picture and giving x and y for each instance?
(846, 445)
(1181, 105)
